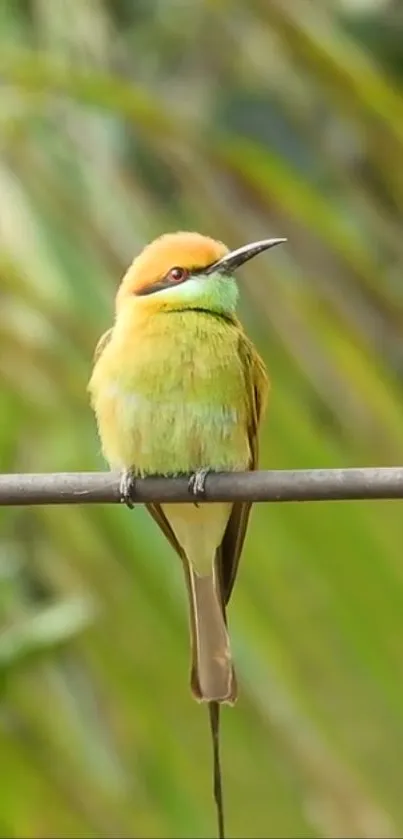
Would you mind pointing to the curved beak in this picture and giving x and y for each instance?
(233, 260)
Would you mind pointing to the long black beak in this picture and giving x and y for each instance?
(235, 259)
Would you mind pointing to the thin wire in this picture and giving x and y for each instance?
(274, 486)
(214, 712)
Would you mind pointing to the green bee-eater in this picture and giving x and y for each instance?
(178, 387)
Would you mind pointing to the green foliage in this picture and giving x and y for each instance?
(118, 121)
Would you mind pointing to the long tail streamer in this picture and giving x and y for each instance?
(214, 712)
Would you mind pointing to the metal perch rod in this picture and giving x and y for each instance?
(281, 485)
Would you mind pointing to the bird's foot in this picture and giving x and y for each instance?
(197, 482)
(127, 485)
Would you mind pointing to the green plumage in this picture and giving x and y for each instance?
(178, 387)
(181, 403)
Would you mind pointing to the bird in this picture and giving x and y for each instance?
(178, 387)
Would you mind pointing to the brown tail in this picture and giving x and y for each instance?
(213, 677)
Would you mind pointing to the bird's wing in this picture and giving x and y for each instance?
(229, 552)
(160, 518)
(154, 509)
(156, 512)
(102, 343)
(256, 387)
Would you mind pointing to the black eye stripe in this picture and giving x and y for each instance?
(168, 282)
(154, 288)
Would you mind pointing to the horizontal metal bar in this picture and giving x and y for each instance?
(281, 485)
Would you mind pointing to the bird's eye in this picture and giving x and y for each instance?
(177, 275)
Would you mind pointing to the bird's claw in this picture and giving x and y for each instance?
(127, 484)
(197, 482)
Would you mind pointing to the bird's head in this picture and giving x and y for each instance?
(181, 271)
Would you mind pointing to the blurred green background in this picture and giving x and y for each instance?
(242, 119)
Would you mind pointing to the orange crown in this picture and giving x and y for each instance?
(182, 249)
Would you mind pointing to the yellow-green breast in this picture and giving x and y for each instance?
(171, 397)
